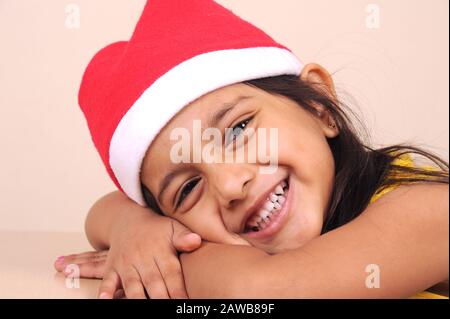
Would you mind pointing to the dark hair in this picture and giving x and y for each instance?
(360, 171)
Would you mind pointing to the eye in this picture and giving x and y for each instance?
(186, 190)
(237, 130)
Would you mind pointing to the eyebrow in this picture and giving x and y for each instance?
(167, 180)
(212, 121)
(224, 109)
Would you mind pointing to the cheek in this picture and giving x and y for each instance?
(311, 163)
(309, 222)
(314, 171)
(305, 150)
(205, 220)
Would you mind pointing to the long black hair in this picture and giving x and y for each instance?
(360, 171)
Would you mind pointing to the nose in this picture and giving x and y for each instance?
(231, 183)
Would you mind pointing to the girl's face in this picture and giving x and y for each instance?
(226, 202)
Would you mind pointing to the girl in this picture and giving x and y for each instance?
(337, 218)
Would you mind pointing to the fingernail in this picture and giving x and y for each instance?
(60, 260)
(103, 295)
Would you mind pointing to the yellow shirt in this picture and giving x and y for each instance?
(406, 160)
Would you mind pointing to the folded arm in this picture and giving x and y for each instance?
(108, 212)
(404, 234)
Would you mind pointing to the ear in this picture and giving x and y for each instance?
(320, 78)
(326, 122)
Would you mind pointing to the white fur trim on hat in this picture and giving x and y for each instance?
(175, 90)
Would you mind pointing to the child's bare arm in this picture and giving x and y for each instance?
(402, 239)
(142, 256)
(109, 210)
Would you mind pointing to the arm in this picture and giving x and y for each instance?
(108, 211)
(405, 233)
(142, 248)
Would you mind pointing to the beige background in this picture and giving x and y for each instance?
(50, 173)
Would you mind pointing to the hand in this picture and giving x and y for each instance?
(150, 268)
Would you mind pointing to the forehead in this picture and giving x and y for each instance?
(157, 160)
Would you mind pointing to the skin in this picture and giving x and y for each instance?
(217, 207)
(113, 225)
(405, 232)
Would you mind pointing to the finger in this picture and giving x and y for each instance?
(85, 255)
(110, 284)
(183, 239)
(62, 262)
(99, 255)
(132, 284)
(94, 269)
(153, 282)
(88, 254)
(119, 294)
(173, 277)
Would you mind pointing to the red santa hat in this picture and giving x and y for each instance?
(179, 51)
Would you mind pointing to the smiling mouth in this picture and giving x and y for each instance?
(266, 213)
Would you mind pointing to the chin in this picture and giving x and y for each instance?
(291, 239)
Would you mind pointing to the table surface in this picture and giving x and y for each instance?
(26, 265)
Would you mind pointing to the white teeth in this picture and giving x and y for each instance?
(264, 213)
(269, 206)
(279, 190)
